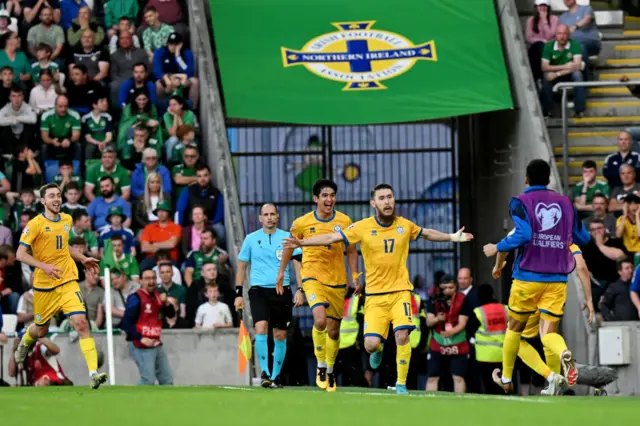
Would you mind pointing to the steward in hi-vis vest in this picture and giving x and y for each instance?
(349, 359)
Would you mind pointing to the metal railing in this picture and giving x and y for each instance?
(565, 87)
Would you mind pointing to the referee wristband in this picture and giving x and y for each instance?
(239, 291)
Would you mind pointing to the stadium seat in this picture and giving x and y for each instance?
(51, 169)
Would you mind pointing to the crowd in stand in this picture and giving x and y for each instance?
(101, 99)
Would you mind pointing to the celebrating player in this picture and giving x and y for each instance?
(546, 226)
(55, 282)
(551, 370)
(384, 242)
(324, 278)
(263, 250)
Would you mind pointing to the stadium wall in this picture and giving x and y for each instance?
(627, 383)
(196, 357)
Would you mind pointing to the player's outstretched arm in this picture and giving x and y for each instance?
(88, 262)
(585, 280)
(287, 253)
(458, 237)
(319, 240)
(23, 256)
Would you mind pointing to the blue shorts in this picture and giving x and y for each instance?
(436, 362)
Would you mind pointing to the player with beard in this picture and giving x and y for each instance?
(384, 242)
(55, 282)
(324, 277)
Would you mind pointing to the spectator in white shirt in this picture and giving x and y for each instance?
(213, 314)
(163, 256)
(25, 308)
(17, 120)
(43, 96)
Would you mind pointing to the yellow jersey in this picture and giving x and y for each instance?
(49, 243)
(322, 263)
(630, 235)
(385, 249)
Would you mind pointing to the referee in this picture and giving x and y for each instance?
(263, 249)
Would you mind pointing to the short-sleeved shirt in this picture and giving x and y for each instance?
(178, 149)
(71, 209)
(197, 258)
(600, 266)
(153, 40)
(586, 32)
(385, 249)
(555, 56)
(60, 127)
(52, 36)
(99, 209)
(181, 170)
(619, 193)
(92, 299)
(36, 67)
(176, 291)
(209, 314)
(119, 174)
(20, 64)
(127, 264)
(97, 128)
(154, 233)
(91, 60)
(630, 236)
(600, 187)
(264, 252)
(104, 239)
(324, 264)
(49, 243)
(88, 236)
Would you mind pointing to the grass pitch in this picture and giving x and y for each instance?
(235, 406)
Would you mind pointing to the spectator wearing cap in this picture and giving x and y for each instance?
(82, 228)
(116, 9)
(32, 10)
(122, 288)
(132, 153)
(94, 58)
(153, 195)
(541, 29)
(625, 155)
(584, 191)
(17, 121)
(99, 207)
(139, 81)
(144, 328)
(184, 174)
(125, 26)
(6, 23)
(149, 165)
(629, 186)
(70, 11)
(124, 59)
(115, 228)
(65, 175)
(115, 258)
(107, 167)
(81, 90)
(172, 59)
(628, 225)
(60, 130)
(46, 32)
(15, 58)
(616, 304)
(581, 21)
(156, 34)
(43, 95)
(82, 22)
(161, 234)
(97, 126)
(206, 195)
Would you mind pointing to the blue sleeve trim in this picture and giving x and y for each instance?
(419, 234)
(25, 244)
(580, 234)
(344, 238)
(520, 237)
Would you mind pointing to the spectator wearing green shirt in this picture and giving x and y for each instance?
(116, 9)
(562, 62)
(13, 57)
(156, 34)
(584, 191)
(119, 260)
(185, 137)
(172, 289)
(132, 152)
(107, 167)
(140, 112)
(184, 174)
(82, 228)
(177, 114)
(66, 176)
(97, 127)
(60, 130)
(209, 252)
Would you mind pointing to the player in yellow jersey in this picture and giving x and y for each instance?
(324, 277)
(551, 370)
(384, 241)
(55, 282)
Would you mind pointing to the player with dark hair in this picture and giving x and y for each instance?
(384, 241)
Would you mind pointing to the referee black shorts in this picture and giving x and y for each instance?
(267, 305)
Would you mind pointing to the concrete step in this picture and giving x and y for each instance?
(606, 121)
(587, 150)
(619, 33)
(612, 107)
(591, 137)
(610, 92)
(575, 167)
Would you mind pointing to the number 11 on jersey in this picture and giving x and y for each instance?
(58, 242)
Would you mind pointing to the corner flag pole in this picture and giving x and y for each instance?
(107, 308)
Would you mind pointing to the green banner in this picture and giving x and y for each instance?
(359, 61)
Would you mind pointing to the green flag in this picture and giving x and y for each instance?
(359, 61)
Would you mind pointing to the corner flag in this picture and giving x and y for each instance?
(245, 350)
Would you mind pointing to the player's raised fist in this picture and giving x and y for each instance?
(52, 271)
(490, 250)
(497, 270)
(461, 236)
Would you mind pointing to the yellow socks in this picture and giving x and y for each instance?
(510, 349)
(553, 360)
(27, 340)
(319, 345)
(554, 342)
(332, 347)
(530, 356)
(403, 357)
(88, 349)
